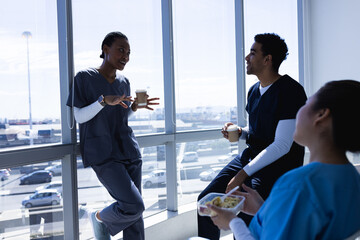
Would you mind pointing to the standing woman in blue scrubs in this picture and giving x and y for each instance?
(102, 103)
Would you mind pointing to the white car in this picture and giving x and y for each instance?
(228, 157)
(4, 174)
(204, 149)
(55, 169)
(155, 177)
(149, 165)
(190, 157)
(57, 185)
(210, 174)
(43, 197)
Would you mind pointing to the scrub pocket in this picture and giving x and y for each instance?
(97, 149)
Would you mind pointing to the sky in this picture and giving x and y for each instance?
(204, 48)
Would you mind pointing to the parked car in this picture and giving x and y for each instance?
(149, 165)
(204, 149)
(53, 185)
(4, 174)
(32, 167)
(209, 174)
(42, 198)
(155, 177)
(55, 169)
(190, 157)
(36, 177)
(228, 157)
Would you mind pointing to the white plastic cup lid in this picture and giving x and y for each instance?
(140, 91)
(232, 128)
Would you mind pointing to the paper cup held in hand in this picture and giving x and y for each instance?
(141, 97)
(233, 133)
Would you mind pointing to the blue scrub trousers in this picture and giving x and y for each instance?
(122, 179)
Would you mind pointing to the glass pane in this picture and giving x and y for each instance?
(199, 163)
(29, 74)
(205, 73)
(154, 179)
(140, 21)
(92, 195)
(31, 202)
(261, 16)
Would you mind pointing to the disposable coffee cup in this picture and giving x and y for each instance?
(233, 133)
(141, 97)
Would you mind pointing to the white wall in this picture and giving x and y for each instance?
(332, 41)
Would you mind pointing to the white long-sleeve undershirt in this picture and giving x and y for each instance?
(281, 146)
(240, 230)
(87, 113)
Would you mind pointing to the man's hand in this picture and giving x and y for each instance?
(225, 132)
(222, 218)
(237, 180)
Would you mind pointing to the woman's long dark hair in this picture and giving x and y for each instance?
(342, 98)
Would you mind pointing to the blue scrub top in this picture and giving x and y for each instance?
(317, 201)
(107, 136)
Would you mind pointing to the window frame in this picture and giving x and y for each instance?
(69, 148)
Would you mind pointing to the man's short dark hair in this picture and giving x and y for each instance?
(273, 45)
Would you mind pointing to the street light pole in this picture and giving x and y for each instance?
(28, 35)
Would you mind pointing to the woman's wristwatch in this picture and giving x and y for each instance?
(101, 100)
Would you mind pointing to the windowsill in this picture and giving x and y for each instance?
(166, 215)
(178, 225)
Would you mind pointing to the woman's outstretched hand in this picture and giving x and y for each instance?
(149, 101)
(113, 100)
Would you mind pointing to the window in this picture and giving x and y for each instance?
(29, 74)
(280, 17)
(205, 93)
(198, 164)
(35, 210)
(140, 21)
(204, 54)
